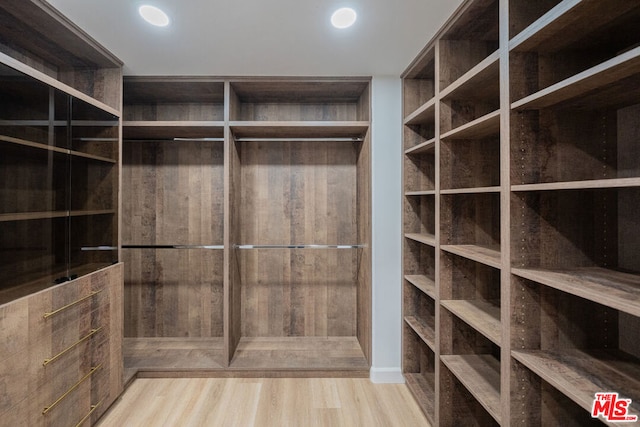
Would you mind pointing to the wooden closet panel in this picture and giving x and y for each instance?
(172, 193)
(173, 293)
(363, 273)
(298, 193)
(296, 111)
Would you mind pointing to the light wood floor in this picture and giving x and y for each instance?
(183, 402)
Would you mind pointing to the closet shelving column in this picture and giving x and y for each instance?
(173, 205)
(299, 227)
(470, 211)
(420, 224)
(575, 74)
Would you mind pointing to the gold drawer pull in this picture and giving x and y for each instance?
(75, 386)
(71, 305)
(93, 408)
(86, 337)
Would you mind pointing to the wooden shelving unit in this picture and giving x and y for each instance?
(283, 173)
(523, 118)
(60, 276)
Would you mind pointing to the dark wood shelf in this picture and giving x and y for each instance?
(427, 147)
(480, 374)
(477, 190)
(483, 316)
(479, 128)
(579, 185)
(424, 283)
(482, 81)
(549, 32)
(420, 193)
(163, 130)
(482, 254)
(27, 216)
(422, 386)
(579, 374)
(424, 331)
(424, 114)
(427, 239)
(299, 129)
(614, 289)
(599, 77)
(55, 149)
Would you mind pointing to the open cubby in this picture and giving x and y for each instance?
(568, 145)
(419, 370)
(579, 346)
(173, 99)
(304, 100)
(459, 406)
(419, 84)
(469, 104)
(470, 163)
(470, 226)
(471, 291)
(523, 13)
(536, 403)
(549, 234)
(420, 138)
(419, 312)
(602, 43)
(471, 360)
(419, 173)
(420, 215)
(470, 39)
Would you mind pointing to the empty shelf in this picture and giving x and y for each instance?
(483, 254)
(484, 316)
(424, 114)
(425, 284)
(424, 331)
(580, 374)
(423, 388)
(479, 128)
(607, 287)
(422, 148)
(480, 374)
(427, 239)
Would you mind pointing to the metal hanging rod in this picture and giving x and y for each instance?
(300, 246)
(173, 139)
(172, 246)
(99, 248)
(328, 139)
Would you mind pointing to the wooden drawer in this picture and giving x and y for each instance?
(72, 357)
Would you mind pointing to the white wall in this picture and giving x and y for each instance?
(387, 229)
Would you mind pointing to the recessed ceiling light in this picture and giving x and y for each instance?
(154, 16)
(343, 17)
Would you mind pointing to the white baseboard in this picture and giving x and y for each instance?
(386, 376)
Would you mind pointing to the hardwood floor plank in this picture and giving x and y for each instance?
(264, 402)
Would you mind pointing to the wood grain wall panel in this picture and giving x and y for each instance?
(363, 273)
(173, 293)
(172, 193)
(298, 193)
(297, 111)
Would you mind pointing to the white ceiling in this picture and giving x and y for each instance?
(262, 37)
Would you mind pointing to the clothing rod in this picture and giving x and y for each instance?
(99, 248)
(298, 139)
(300, 246)
(173, 139)
(172, 246)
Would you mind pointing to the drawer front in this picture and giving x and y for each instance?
(60, 359)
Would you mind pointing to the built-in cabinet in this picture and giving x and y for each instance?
(60, 276)
(521, 294)
(247, 244)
